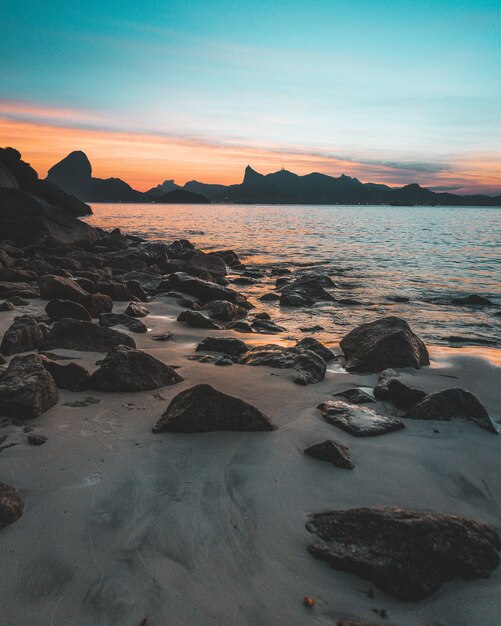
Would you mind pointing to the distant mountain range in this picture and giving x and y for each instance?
(74, 175)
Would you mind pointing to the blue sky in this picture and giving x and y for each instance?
(413, 87)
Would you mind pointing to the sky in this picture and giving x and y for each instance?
(393, 91)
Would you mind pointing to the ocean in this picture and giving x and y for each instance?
(429, 255)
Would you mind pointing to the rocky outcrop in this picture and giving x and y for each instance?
(331, 451)
(452, 403)
(311, 368)
(214, 265)
(71, 376)
(125, 369)
(196, 320)
(11, 505)
(203, 289)
(86, 336)
(57, 309)
(384, 343)
(23, 335)
(357, 420)
(225, 345)
(408, 554)
(26, 389)
(203, 409)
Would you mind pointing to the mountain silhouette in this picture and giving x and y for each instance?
(182, 196)
(162, 189)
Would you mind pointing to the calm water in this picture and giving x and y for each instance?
(429, 254)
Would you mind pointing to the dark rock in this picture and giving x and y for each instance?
(136, 289)
(23, 335)
(11, 505)
(97, 303)
(474, 300)
(310, 343)
(408, 554)
(269, 297)
(13, 275)
(125, 369)
(262, 316)
(331, 451)
(217, 359)
(267, 327)
(244, 280)
(228, 256)
(85, 283)
(118, 292)
(114, 319)
(11, 290)
(311, 368)
(18, 301)
(196, 320)
(71, 376)
(210, 263)
(225, 311)
(403, 396)
(356, 396)
(57, 288)
(6, 306)
(280, 271)
(226, 345)
(204, 409)
(297, 298)
(203, 289)
(311, 329)
(385, 343)
(358, 420)
(398, 298)
(26, 388)
(56, 309)
(239, 327)
(306, 290)
(162, 336)
(136, 310)
(86, 336)
(449, 404)
(36, 440)
(381, 391)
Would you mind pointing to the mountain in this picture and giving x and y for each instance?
(74, 175)
(285, 187)
(16, 174)
(162, 189)
(182, 196)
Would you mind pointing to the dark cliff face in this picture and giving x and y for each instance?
(27, 180)
(74, 175)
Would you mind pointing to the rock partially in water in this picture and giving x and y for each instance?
(310, 343)
(240, 327)
(86, 336)
(26, 388)
(196, 320)
(71, 376)
(267, 327)
(269, 297)
(211, 263)
(202, 409)
(116, 319)
(11, 505)
(331, 451)
(23, 335)
(385, 343)
(136, 310)
(126, 369)
(311, 368)
(306, 290)
(356, 396)
(203, 289)
(473, 300)
(358, 420)
(226, 345)
(225, 311)
(408, 554)
(452, 403)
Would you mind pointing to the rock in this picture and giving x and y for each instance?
(228, 256)
(36, 440)
(13, 275)
(226, 345)
(225, 311)
(125, 369)
(356, 396)
(408, 554)
(136, 289)
(311, 368)
(203, 409)
(203, 289)
(239, 327)
(26, 389)
(331, 451)
(269, 297)
(59, 288)
(21, 290)
(23, 335)
(210, 263)
(357, 420)
(86, 336)
(118, 292)
(403, 396)
(136, 310)
(97, 303)
(114, 319)
(474, 300)
(262, 316)
(11, 505)
(196, 320)
(310, 343)
(296, 298)
(306, 290)
(387, 342)
(6, 306)
(244, 280)
(267, 327)
(381, 391)
(312, 329)
(165, 336)
(71, 376)
(57, 309)
(18, 301)
(449, 404)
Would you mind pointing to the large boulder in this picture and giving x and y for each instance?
(358, 420)
(57, 309)
(310, 367)
(26, 388)
(408, 554)
(59, 288)
(403, 396)
(125, 369)
(71, 376)
(225, 311)
(214, 265)
(23, 335)
(203, 289)
(73, 334)
(225, 345)
(203, 409)
(97, 303)
(118, 292)
(452, 403)
(384, 343)
(11, 505)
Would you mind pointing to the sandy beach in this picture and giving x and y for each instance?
(121, 525)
